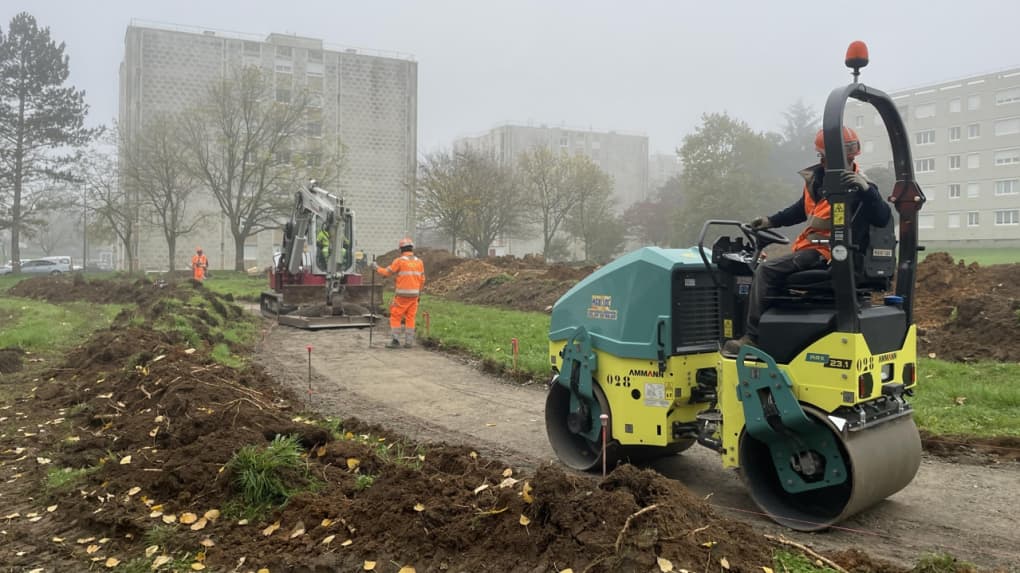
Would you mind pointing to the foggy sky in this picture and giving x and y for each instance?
(649, 67)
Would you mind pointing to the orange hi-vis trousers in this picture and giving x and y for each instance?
(403, 308)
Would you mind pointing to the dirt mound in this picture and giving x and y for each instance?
(151, 423)
(959, 305)
(11, 360)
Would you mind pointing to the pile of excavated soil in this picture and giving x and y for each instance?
(158, 422)
(11, 360)
(968, 312)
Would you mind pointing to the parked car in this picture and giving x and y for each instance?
(5, 269)
(47, 266)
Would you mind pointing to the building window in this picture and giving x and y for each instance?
(284, 52)
(252, 49)
(314, 99)
(282, 95)
(924, 165)
(954, 220)
(1007, 217)
(973, 102)
(954, 161)
(315, 84)
(973, 161)
(283, 67)
(973, 190)
(859, 121)
(1007, 126)
(954, 133)
(564, 141)
(313, 123)
(1007, 96)
(954, 191)
(315, 56)
(926, 222)
(1007, 156)
(925, 137)
(974, 131)
(1007, 187)
(954, 105)
(924, 111)
(972, 219)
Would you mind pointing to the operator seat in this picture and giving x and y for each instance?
(874, 266)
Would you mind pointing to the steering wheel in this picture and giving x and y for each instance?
(766, 236)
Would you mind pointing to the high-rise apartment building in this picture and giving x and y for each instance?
(661, 168)
(364, 101)
(965, 140)
(624, 156)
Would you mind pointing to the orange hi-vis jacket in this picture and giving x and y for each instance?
(819, 218)
(410, 273)
(198, 265)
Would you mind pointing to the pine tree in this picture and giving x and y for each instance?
(41, 120)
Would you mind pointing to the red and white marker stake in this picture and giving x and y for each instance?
(309, 348)
(516, 348)
(605, 424)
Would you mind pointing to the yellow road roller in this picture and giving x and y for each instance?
(815, 416)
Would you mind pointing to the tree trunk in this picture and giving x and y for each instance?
(171, 244)
(239, 241)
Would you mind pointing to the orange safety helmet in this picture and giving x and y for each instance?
(851, 143)
(406, 243)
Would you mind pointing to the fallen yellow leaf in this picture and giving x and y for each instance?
(526, 493)
(169, 518)
(197, 567)
(206, 542)
(51, 509)
(419, 507)
(91, 549)
(200, 524)
(212, 514)
(329, 539)
(508, 472)
(133, 491)
(407, 569)
(481, 488)
(665, 565)
(346, 543)
(725, 564)
(112, 562)
(709, 544)
(320, 451)
(369, 565)
(766, 569)
(125, 460)
(474, 455)
(353, 463)
(298, 530)
(524, 520)
(271, 529)
(160, 561)
(263, 570)
(326, 522)
(151, 550)
(188, 518)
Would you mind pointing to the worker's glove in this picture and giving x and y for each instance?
(761, 223)
(375, 266)
(855, 181)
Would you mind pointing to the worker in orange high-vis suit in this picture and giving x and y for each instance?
(410, 278)
(811, 249)
(198, 265)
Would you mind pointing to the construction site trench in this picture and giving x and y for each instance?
(436, 465)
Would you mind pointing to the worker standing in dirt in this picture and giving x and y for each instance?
(811, 249)
(410, 273)
(199, 263)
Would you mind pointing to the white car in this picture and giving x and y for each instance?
(47, 266)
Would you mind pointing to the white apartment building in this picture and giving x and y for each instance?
(965, 140)
(365, 101)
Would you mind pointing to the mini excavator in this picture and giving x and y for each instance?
(319, 289)
(816, 417)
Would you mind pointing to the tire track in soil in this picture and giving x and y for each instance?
(967, 510)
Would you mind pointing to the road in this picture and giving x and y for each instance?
(967, 510)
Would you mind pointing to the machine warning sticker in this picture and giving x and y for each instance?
(841, 363)
(815, 357)
(601, 307)
(881, 252)
(727, 327)
(655, 395)
(839, 214)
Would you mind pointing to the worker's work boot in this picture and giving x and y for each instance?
(394, 343)
(409, 338)
(733, 346)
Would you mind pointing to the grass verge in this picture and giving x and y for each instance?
(49, 329)
(238, 284)
(983, 257)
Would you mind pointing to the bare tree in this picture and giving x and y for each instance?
(592, 221)
(242, 147)
(442, 202)
(548, 189)
(154, 165)
(113, 208)
(492, 199)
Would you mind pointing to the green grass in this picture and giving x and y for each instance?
(267, 476)
(238, 284)
(942, 563)
(62, 479)
(49, 329)
(981, 256)
(988, 390)
(797, 563)
(486, 333)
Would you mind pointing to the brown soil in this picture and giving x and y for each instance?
(11, 360)
(149, 412)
